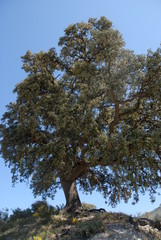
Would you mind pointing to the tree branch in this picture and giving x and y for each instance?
(77, 171)
(116, 119)
(135, 96)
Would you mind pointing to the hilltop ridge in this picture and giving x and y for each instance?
(42, 222)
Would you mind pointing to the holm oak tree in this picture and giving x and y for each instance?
(89, 116)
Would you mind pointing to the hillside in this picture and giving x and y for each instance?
(43, 222)
(154, 215)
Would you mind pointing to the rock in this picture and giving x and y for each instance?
(101, 210)
(134, 229)
(145, 221)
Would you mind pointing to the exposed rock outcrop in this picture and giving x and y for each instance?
(128, 228)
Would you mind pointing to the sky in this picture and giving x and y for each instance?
(37, 25)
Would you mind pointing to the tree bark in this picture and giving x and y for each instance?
(71, 194)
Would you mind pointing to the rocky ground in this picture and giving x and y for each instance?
(137, 229)
(111, 226)
(91, 225)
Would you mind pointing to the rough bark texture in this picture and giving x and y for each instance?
(71, 194)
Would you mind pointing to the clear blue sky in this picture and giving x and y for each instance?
(36, 25)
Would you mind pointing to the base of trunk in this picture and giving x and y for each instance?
(71, 194)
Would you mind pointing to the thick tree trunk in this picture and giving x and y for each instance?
(71, 194)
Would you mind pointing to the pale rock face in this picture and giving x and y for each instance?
(150, 230)
(128, 232)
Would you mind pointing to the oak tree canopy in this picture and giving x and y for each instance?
(88, 117)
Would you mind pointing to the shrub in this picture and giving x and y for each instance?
(35, 207)
(88, 206)
(20, 214)
(4, 215)
(42, 209)
(91, 228)
(58, 208)
(3, 220)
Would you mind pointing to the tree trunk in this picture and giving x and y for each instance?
(71, 194)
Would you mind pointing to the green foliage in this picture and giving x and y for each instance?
(90, 115)
(39, 205)
(88, 229)
(88, 206)
(24, 224)
(20, 214)
(19, 224)
(41, 209)
(4, 215)
(58, 208)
